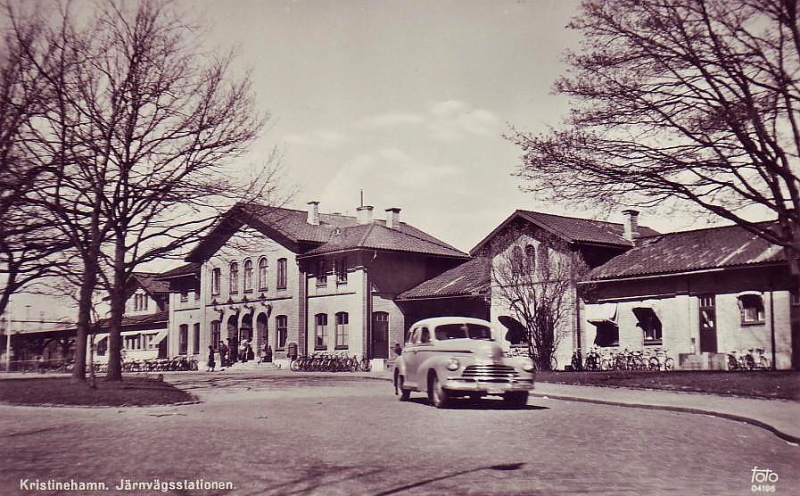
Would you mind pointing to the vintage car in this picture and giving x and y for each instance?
(447, 357)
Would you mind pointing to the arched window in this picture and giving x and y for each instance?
(516, 261)
(234, 278)
(216, 275)
(530, 258)
(342, 321)
(751, 307)
(320, 331)
(544, 259)
(248, 276)
(262, 274)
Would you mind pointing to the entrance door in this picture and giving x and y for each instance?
(708, 324)
(380, 335)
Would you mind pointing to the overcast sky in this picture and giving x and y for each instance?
(405, 100)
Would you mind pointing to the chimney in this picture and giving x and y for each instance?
(313, 213)
(631, 224)
(393, 218)
(364, 214)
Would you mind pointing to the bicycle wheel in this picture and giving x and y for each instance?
(669, 364)
(763, 363)
(654, 364)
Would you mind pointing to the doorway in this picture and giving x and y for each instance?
(380, 335)
(708, 324)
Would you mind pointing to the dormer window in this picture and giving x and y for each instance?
(322, 274)
(341, 271)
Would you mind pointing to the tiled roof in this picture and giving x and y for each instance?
(379, 237)
(573, 229)
(472, 278)
(584, 230)
(151, 282)
(710, 248)
(340, 232)
(184, 270)
(138, 320)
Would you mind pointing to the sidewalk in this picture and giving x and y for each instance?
(781, 417)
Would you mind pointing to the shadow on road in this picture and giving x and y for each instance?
(480, 404)
(504, 467)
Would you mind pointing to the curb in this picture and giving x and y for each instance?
(729, 416)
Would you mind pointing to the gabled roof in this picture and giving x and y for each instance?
(701, 249)
(184, 270)
(151, 283)
(154, 320)
(472, 278)
(290, 228)
(571, 229)
(377, 236)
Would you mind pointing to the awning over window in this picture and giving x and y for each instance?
(160, 336)
(644, 311)
(602, 313)
(100, 339)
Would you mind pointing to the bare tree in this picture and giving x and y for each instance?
(30, 248)
(688, 100)
(143, 126)
(537, 283)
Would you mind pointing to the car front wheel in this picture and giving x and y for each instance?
(437, 394)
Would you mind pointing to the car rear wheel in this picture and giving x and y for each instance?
(437, 394)
(517, 398)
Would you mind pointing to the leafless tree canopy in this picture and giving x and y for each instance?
(537, 284)
(136, 137)
(695, 100)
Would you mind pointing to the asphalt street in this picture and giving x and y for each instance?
(299, 435)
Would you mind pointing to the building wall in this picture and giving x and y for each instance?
(677, 303)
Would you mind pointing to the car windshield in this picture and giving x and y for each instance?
(466, 330)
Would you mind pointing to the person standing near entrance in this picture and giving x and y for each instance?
(223, 354)
(211, 363)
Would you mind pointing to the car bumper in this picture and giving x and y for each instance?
(488, 385)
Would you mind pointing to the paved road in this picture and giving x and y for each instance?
(319, 436)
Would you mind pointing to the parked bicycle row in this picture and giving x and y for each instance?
(327, 362)
(179, 363)
(597, 359)
(750, 359)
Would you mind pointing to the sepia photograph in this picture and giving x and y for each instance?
(400, 247)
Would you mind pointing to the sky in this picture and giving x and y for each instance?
(407, 101)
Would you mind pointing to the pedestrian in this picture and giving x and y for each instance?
(223, 354)
(233, 348)
(243, 351)
(268, 353)
(211, 363)
(398, 350)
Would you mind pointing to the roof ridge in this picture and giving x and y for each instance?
(571, 217)
(709, 228)
(440, 244)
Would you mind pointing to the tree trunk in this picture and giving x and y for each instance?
(117, 296)
(88, 282)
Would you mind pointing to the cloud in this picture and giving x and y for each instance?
(317, 139)
(445, 120)
(389, 120)
(388, 175)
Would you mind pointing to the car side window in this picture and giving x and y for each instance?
(414, 336)
(425, 335)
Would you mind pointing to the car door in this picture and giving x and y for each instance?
(411, 357)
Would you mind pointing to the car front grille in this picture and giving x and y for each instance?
(491, 371)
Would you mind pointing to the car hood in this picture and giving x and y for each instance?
(490, 350)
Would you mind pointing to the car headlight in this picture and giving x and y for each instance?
(528, 365)
(453, 364)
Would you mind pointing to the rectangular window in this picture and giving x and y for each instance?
(322, 275)
(342, 319)
(281, 325)
(282, 273)
(196, 339)
(320, 331)
(341, 271)
(197, 292)
(215, 281)
(215, 334)
(649, 323)
(183, 338)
